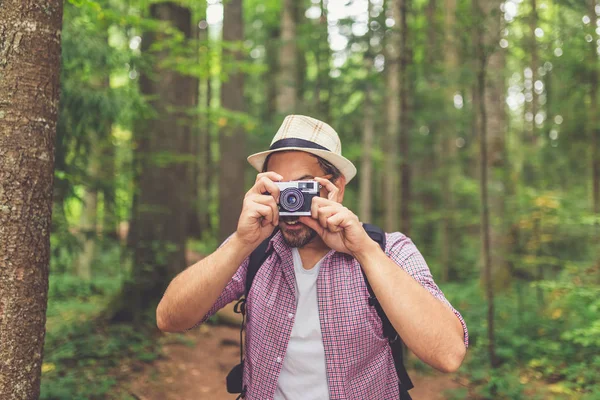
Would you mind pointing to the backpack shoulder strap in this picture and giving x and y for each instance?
(257, 258)
(378, 235)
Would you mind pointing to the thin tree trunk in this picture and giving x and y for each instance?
(164, 152)
(431, 49)
(485, 214)
(300, 57)
(89, 219)
(405, 121)
(366, 170)
(594, 118)
(533, 48)
(594, 121)
(487, 31)
(392, 115)
(106, 173)
(232, 137)
(207, 174)
(30, 43)
(288, 63)
(447, 146)
(197, 220)
(272, 57)
(323, 56)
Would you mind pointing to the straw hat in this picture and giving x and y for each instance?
(298, 132)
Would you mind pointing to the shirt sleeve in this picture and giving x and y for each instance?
(234, 290)
(403, 252)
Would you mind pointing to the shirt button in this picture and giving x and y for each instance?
(278, 359)
(290, 315)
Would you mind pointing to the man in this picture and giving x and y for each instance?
(311, 333)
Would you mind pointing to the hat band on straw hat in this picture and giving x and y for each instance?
(296, 142)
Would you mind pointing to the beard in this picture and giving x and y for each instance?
(297, 237)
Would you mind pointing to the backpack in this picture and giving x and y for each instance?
(258, 257)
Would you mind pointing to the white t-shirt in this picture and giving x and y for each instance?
(303, 375)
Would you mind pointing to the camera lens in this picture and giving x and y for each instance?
(292, 199)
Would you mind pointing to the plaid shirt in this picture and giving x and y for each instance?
(358, 358)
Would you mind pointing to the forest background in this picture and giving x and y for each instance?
(474, 125)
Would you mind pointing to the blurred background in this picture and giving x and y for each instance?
(474, 125)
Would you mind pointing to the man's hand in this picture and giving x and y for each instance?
(260, 214)
(339, 227)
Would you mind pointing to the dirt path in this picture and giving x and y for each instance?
(191, 373)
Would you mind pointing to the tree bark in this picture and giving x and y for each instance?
(392, 116)
(232, 137)
(405, 121)
(88, 220)
(272, 61)
(197, 220)
(206, 173)
(366, 169)
(30, 40)
(164, 153)
(490, 126)
(287, 79)
(594, 111)
(447, 144)
(532, 131)
(323, 56)
(594, 122)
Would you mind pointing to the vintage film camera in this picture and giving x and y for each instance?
(295, 197)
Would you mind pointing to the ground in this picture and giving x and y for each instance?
(198, 372)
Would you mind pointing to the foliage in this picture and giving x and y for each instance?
(554, 342)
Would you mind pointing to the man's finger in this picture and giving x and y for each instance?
(269, 201)
(340, 220)
(325, 212)
(330, 187)
(274, 176)
(266, 185)
(262, 211)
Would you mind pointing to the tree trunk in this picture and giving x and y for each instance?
(164, 151)
(447, 143)
(206, 174)
(366, 169)
(532, 105)
(490, 126)
(594, 121)
(405, 121)
(300, 58)
(197, 221)
(272, 61)
(496, 133)
(29, 92)
(286, 100)
(323, 57)
(232, 137)
(88, 220)
(432, 48)
(392, 116)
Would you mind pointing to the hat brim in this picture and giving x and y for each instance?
(340, 162)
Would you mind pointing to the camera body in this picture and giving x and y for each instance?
(295, 197)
